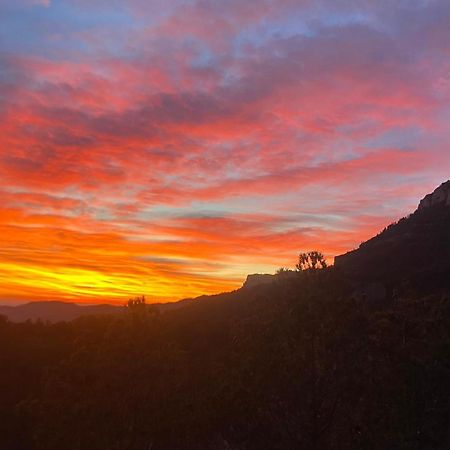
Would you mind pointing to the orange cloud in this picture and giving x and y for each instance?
(160, 157)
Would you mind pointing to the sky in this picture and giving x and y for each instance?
(169, 148)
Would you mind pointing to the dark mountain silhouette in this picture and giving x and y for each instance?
(56, 311)
(301, 359)
(416, 248)
(256, 279)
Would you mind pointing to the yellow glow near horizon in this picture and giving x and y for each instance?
(84, 285)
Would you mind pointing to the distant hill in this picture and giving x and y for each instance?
(55, 311)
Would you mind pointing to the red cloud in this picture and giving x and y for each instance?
(133, 169)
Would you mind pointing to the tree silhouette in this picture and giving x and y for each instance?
(137, 302)
(283, 270)
(311, 260)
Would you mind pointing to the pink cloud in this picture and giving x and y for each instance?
(207, 110)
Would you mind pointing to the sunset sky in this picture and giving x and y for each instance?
(168, 148)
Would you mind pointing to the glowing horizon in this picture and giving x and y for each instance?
(170, 148)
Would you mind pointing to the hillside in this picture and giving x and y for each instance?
(416, 248)
(300, 362)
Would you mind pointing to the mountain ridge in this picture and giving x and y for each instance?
(59, 311)
(414, 247)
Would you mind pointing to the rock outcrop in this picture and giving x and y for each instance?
(257, 279)
(440, 195)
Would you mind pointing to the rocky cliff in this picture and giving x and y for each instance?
(440, 195)
(257, 279)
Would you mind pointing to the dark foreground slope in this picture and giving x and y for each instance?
(300, 363)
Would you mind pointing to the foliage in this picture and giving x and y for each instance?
(311, 261)
(136, 302)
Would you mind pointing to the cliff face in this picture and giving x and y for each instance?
(440, 195)
(257, 279)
